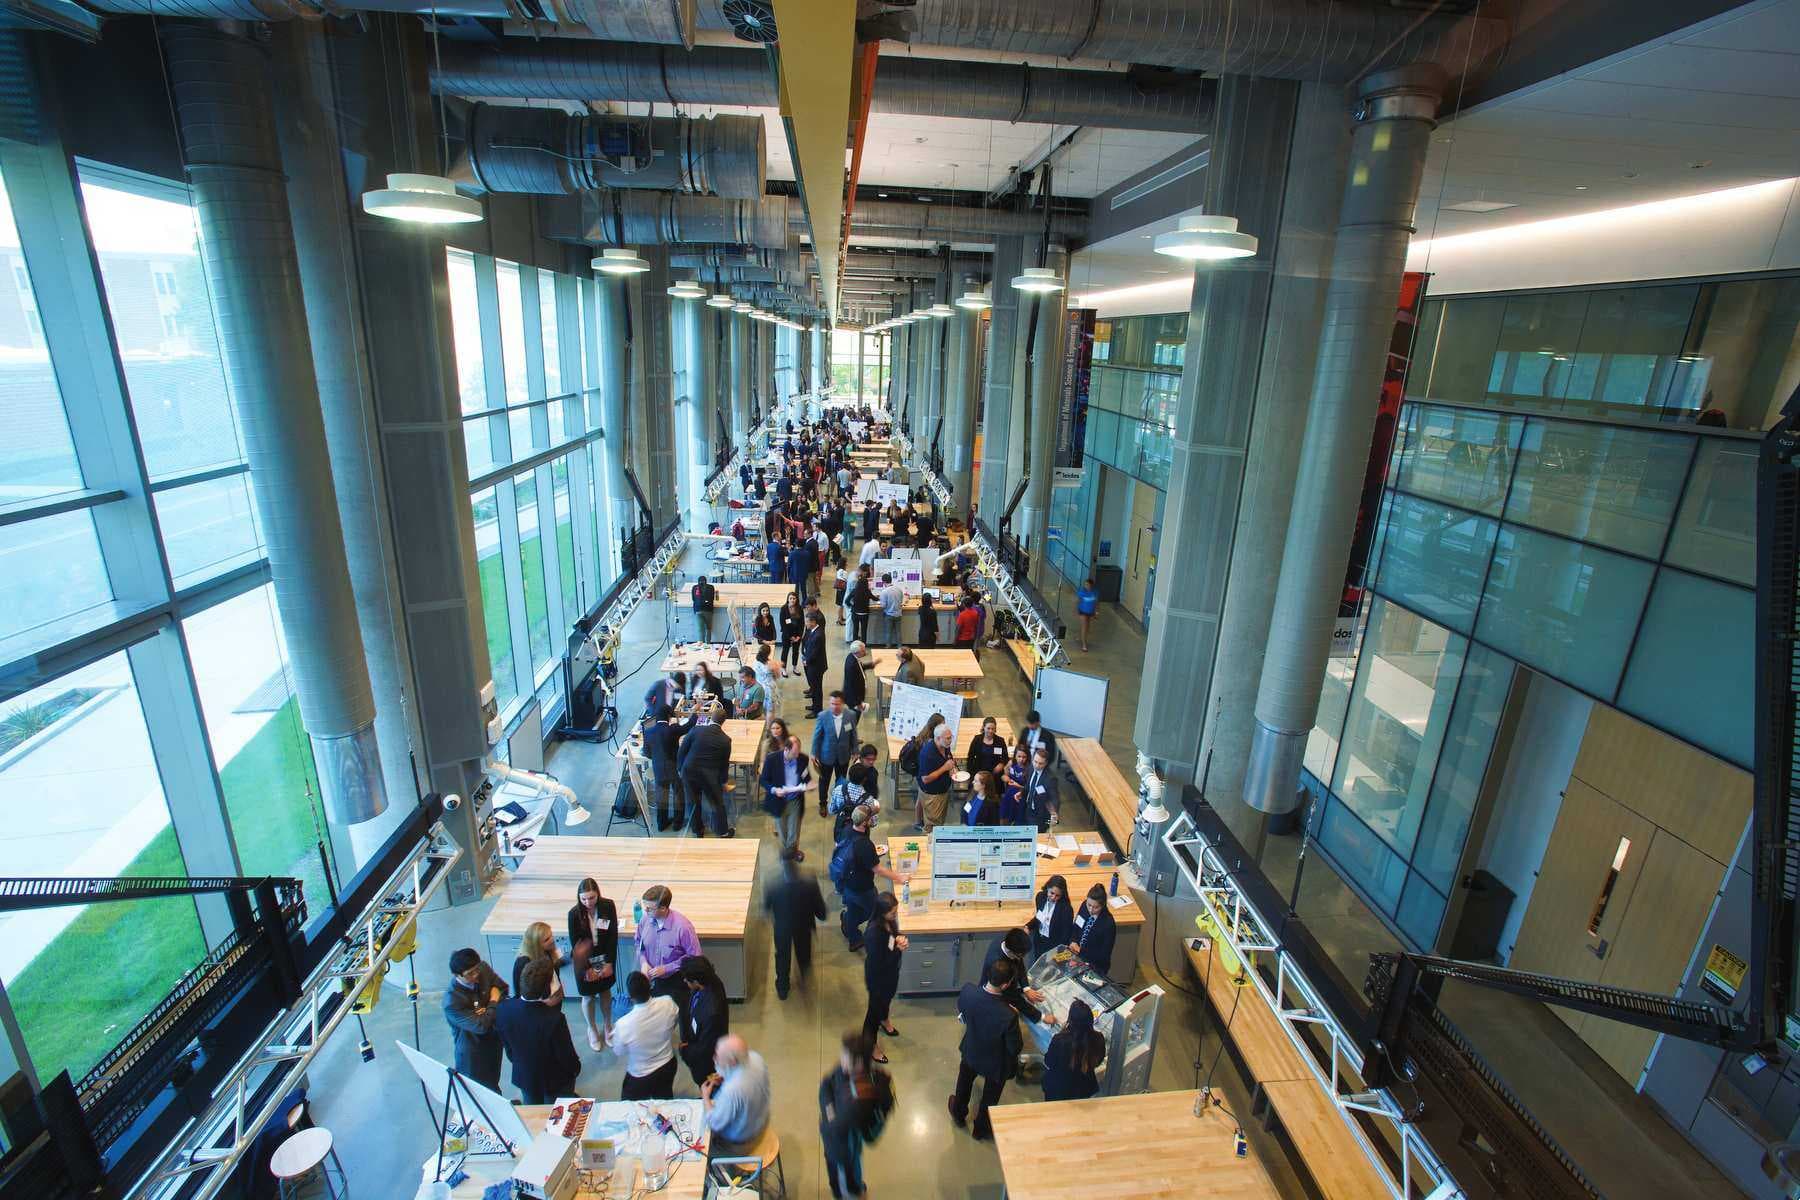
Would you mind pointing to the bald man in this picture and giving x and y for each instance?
(737, 1097)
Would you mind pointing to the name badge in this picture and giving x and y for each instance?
(602, 924)
(1040, 789)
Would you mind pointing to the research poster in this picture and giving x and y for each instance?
(909, 573)
(911, 706)
(986, 863)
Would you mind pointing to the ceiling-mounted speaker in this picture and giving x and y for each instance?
(752, 20)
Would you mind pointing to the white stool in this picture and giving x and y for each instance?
(296, 1159)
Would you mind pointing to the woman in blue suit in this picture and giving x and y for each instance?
(1095, 931)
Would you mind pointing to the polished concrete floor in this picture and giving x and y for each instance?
(922, 1154)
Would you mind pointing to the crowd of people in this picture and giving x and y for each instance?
(675, 1010)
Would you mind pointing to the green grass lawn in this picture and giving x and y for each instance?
(98, 977)
(537, 615)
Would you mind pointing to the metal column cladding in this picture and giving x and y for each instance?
(1387, 160)
(228, 138)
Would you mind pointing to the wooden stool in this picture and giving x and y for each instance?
(296, 1159)
(738, 1172)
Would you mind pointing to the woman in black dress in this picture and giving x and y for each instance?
(762, 628)
(883, 946)
(707, 1019)
(792, 624)
(987, 751)
(927, 620)
(1072, 1063)
(594, 924)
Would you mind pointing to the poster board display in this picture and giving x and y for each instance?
(996, 863)
(858, 430)
(909, 573)
(866, 490)
(910, 706)
(892, 493)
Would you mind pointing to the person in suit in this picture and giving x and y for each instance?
(792, 624)
(812, 660)
(1054, 924)
(703, 762)
(1013, 947)
(1036, 735)
(662, 742)
(1012, 795)
(793, 902)
(594, 924)
(1095, 931)
(666, 693)
(776, 552)
(1072, 1061)
(990, 1046)
(786, 777)
(928, 630)
(800, 565)
(983, 805)
(707, 1019)
(538, 943)
(834, 745)
(470, 1002)
(536, 1037)
(987, 750)
(871, 520)
(857, 665)
(1041, 801)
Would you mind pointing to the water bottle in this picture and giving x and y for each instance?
(906, 893)
(1113, 888)
(637, 912)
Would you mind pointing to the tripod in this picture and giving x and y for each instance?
(454, 1091)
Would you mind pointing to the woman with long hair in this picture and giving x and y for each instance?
(983, 804)
(708, 1016)
(538, 942)
(762, 626)
(1012, 800)
(1072, 1062)
(1054, 924)
(883, 946)
(792, 624)
(594, 947)
(987, 749)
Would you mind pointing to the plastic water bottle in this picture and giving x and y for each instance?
(906, 893)
(1113, 887)
(637, 912)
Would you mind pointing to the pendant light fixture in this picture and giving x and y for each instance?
(687, 289)
(720, 300)
(1206, 239)
(940, 310)
(743, 306)
(421, 198)
(1041, 280)
(976, 298)
(619, 262)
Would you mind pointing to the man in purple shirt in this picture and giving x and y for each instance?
(665, 940)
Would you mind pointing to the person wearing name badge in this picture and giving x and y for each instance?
(1012, 794)
(1054, 922)
(786, 778)
(987, 749)
(1042, 799)
(983, 805)
(594, 921)
(1095, 931)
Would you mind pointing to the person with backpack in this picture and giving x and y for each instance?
(855, 1100)
(705, 599)
(854, 866)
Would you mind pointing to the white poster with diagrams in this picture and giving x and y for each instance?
(892, 493)
(911, 706)
(986, 862)
(909, 573)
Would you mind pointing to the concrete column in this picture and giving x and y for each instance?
(615, 423)
(740, 378)
(693, 409)
(650, 424)
(961, 372)
(1044, 362)
(1290, 348)
(1398, 111)
(997, 400)
(223, 107)
(861, 344)
(1227, 331)
(903, 375)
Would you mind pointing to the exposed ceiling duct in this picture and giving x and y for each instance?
(582, 71)
(543, 152)
(774, 222)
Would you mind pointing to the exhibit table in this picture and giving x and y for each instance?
(938, 665)
(1144, 1146)
(949, 941)
(711, 878)
(722, 657)
(687, 1175)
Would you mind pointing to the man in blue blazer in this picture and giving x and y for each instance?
(536, 1036)
(833, 745)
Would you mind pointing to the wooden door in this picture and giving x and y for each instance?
(1583, 889)
(1140, 547)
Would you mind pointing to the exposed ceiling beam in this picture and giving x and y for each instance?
(818, 45)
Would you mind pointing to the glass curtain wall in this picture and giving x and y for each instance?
(1616, 559)
(1657, 352)
(531, 420)
(147, 717)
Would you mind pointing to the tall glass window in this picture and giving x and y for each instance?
(148, 244)
(465, 331)
(491, 569)
(37, 457)
(553, 380)
(565, 539)
(76, 755)
(512, 338)
(531, 567)
(50, 568)
(262, 752)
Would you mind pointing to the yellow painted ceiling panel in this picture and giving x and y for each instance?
(818, 52)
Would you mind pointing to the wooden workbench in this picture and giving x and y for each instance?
(1113, 799)
(1144, 1146)
(712, 879)
(949, 942)
(1281, 1078)
(686, 1182)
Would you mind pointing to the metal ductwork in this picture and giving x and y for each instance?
(220, 87)
(773, 222)
(1375, 224)
(582, 71)
(543, 151)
